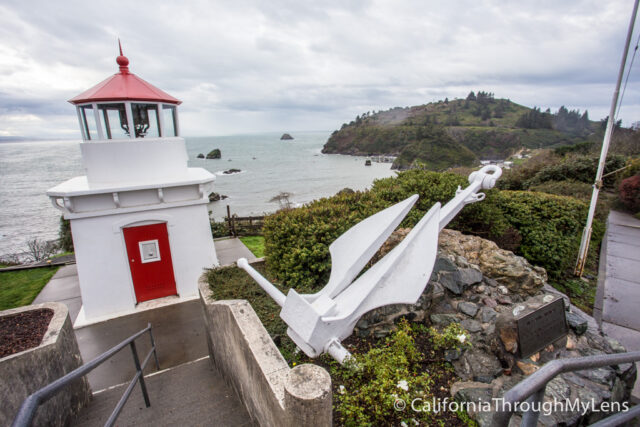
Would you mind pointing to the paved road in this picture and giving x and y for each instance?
(618, 295)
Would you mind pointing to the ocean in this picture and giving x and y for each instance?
(269, 166)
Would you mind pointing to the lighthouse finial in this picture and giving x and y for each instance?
(122, 60)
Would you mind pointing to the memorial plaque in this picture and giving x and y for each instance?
(540, 328)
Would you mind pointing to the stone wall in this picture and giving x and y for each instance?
(486, 289)
(245, 355)
(28, 371)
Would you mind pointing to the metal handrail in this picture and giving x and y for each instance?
(29, 406)
(532, 388)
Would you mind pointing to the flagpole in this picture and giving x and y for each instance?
(586, 233)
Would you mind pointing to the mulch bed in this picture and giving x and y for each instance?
(22, 331)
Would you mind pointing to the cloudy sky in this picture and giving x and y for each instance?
(246, 66)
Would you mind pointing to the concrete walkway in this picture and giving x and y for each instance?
(65, 288)
(618, 294)
(229, 250)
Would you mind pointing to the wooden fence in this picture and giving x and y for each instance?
(244, 225)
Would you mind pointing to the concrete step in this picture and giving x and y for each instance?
(191, 394)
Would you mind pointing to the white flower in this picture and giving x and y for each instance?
(342, 389)
(415, 422)
(403, 424)
(461, 338)
(403, 385)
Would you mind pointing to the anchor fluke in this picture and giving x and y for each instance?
(319, 322)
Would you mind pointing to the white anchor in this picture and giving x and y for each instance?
(319, 322)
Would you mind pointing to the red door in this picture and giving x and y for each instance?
(150, 261)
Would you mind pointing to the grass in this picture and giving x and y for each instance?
(255, 244)
(18, 288)
(60, 255)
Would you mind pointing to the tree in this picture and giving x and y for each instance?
(471, 96)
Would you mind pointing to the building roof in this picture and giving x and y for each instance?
(124, 86)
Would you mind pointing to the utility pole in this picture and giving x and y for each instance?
(586, 233)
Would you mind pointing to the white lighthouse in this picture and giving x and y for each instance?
(139, 216)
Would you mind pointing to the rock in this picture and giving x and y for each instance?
(615, 345)
(487, 314)
(230, 171)
(468, 308)
(452, 354)
(509, 338)
(471, 391)
(503, 290)
(471, 325)
(504, 300)
(443, 319)
(477, 365)
(576, 322)
(469, 276)
(367, 162)
(214, 154)
(286, 136)
(490, 302)
(214, 197)
(527, 368)
(450, 280)
(444, 264)
(200, 156)
(505, 267)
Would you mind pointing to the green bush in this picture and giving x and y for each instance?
(64, 233)
(543, 228)
(297, 240)
(578, 168)
(571, 188)
(219, 229)
(550, 226)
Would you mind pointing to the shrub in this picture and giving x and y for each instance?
(577, 168)
(543, 228)
(297, 240)
(571, 188)
(550, 227)
(219, 229)
(629, 193)
(65, 237)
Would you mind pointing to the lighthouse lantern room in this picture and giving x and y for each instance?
(139, 216)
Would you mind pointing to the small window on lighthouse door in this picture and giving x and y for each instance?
(149, 251)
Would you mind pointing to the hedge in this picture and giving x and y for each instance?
(544, 228)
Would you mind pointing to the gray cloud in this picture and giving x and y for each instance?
(249, 65)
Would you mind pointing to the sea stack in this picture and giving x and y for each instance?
(286, 136)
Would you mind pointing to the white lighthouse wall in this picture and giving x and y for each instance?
(134, 160)
(103, 268)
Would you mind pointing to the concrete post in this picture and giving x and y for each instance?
(308, 397)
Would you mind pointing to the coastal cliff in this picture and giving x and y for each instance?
(460, 132)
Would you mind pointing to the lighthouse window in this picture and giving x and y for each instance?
(169, 116)
(88, 122)
(145, 120)
(114, 121)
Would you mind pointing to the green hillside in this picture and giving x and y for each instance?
(445, 134)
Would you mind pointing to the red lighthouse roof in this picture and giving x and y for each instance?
(124, 86)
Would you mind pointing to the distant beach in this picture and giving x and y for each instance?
(269, 166)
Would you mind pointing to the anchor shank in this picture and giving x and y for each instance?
(455, 205)
(268, 287)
